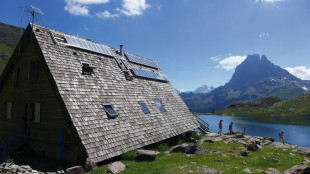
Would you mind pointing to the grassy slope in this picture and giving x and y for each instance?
(218, 155)
(298, 106)
(9, 36)
(5, 53)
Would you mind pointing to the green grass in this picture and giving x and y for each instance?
(218, 155)
(5, 54)
(298, 106)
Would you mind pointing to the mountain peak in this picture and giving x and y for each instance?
(204, 89)
(256, 68)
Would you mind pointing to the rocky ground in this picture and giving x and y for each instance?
(255, 143)
(250, 143)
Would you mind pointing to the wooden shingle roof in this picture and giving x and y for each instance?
(83, 96)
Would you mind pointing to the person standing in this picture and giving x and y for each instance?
(231, 132)
(281, 136)
(220, 126)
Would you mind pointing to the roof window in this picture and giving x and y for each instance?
(160, 106)
(87, 69)
(110, 111)
(144, 108)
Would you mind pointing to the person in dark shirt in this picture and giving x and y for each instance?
(281, 136)
(220, 126)
(231, 132)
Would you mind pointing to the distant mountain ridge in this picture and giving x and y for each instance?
(203, 89)
(256, 77)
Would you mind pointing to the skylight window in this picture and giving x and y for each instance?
(160, 106)
(144, 108)
(87, 69)
(110, 111)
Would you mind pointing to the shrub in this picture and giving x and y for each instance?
(10, 161)
(192, 136)
(130, 155)
(161, 147)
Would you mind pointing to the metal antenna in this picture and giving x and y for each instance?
(33, 11)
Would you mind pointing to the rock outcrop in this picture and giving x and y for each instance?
(116, 167)
(146, 155)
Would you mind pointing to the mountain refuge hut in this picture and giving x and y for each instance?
(73, 99)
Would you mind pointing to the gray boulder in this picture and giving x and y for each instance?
(75, 170)
(247, 170)
(146, 155)
(280, 145)
(193, 149)
(178, 148)
(208, 171)
(272, 171)
(253, 147)
(304, 151)
(269, 138)
(239, 135)
(90, 165)
(116, 167)
(244, 153)
(298, 169)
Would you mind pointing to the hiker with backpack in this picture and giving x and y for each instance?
(231, 132)
(281, 136)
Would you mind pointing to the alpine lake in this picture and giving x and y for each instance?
(297, 129)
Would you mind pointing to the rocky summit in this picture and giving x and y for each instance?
(256, 77)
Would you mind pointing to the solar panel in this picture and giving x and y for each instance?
(88, 45)
(148, 74)
(141, 60)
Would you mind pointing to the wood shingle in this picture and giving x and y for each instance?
(111, 83)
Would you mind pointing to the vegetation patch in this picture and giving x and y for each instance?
(221, 156)
(271, 106)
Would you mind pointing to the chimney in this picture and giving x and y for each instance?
(121, 50)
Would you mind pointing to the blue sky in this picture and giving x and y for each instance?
(195, 42)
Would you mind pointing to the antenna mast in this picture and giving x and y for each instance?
(33, 11)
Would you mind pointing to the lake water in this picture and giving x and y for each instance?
(297, 129)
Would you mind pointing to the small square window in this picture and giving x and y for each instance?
(110, 111)
(144, 108)
(160, 106)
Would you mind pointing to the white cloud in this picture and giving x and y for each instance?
(263, 34)
(77, 9)
(88, 2)
(128, 8)
(80, 7)
(215, 58)
(106, 15)
(301, 72)
(231, 62)
(269, 1)
(133, 7)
